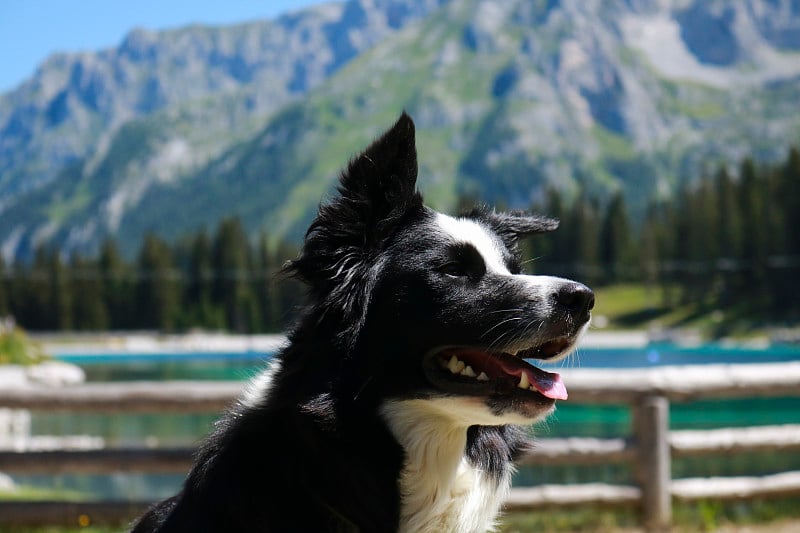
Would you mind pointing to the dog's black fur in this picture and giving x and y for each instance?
(319, 444)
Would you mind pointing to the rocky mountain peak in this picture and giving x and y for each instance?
(510, 98)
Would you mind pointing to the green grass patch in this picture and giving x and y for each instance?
(34, 494)
(778, 514)
(638, 306)
(628, 306)
(616, 300)
(77, 201)
(613, 145)
(57, 529)
(757, 516)
(16, 348)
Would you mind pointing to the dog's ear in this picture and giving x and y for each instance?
(376, 191)
(511, 227)
(514, 225)
(380, 183)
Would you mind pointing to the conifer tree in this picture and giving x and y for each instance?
(230, 261)
(754, 249)
(89, 308)
(253, 315)
(156, 290)
(781, 184)
(550, 252)
(615, 240)
(5, 307)
(728, 236)
(667, 250)
(117, 286)
(681, 252)
(31, 297)
(581, 231)
(200, 273)
(61, 297)
(789, 194)
(649, 248)
(263, 272)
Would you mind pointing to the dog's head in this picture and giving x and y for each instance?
(434, 307)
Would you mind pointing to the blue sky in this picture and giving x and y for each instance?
(31, 30)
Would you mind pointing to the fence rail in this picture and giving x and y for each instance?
(650, 447)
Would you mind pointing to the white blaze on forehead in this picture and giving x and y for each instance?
(463, 230)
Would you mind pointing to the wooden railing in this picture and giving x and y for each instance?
(649, 448)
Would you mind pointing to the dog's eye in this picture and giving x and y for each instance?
(463, 261)
(454, 269)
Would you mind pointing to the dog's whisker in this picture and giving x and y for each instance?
(500, 340)
(515, 310)
(363, 386)
(533, 259)
(499, 324)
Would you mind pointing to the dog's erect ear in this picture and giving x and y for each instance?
(382, 180)
(376, 191)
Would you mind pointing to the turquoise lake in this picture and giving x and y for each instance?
(569, 420)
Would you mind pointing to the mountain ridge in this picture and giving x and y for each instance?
(76, 100)
(510, 99)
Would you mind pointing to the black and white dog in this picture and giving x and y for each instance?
(397, 402)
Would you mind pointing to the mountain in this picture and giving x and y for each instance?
(172, 130)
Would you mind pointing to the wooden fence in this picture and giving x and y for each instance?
(649, 448)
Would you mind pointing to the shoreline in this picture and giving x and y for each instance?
(100, 343)
(151, 342)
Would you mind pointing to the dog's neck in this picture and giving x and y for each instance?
(440, 489)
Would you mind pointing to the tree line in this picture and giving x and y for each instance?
(720, 241)
(218, 282)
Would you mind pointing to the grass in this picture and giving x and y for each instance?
(33, 494)
(687, 517)
(88, 528)
(636, 306)
(616, 301)
(613, 145)
(56, 529)
(758, 515)
(17, 349)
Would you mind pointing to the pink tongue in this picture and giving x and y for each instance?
(548, 384)
(554, 389)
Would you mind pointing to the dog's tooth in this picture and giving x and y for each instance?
(468, 372)
(523, 381)
(452, 364)
(455, 366)
(483, 377)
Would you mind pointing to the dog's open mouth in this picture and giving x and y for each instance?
(475, 371)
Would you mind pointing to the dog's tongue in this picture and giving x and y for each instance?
(552, 386)
(501, 366)
(548, 384)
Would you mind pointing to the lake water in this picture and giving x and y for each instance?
(569, 420)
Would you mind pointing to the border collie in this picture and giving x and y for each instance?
(397, 403)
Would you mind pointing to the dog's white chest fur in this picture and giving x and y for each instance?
(440, 490)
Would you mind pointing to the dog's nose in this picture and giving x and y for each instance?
(576, 298)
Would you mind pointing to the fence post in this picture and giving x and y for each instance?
(653, 468)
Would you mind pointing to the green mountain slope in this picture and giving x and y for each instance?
(509, 98)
